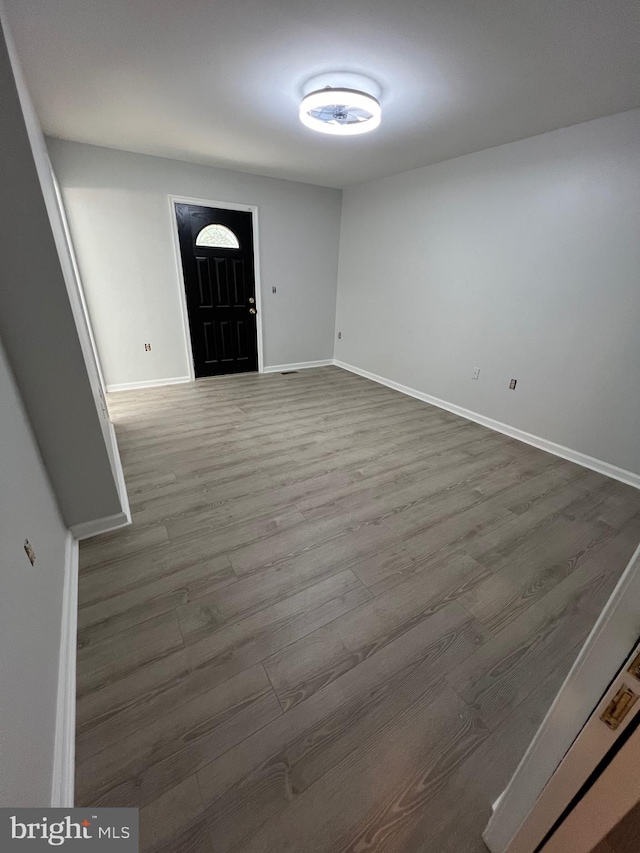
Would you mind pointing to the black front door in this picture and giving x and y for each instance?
(216, 247)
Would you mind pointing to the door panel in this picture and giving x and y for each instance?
(220, 288)
(613, 795)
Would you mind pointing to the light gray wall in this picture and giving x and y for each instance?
(121, 224)
(30, 608)
(44, 336)
(524, 261)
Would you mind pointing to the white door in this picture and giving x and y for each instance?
(572, 739)
(614, 793)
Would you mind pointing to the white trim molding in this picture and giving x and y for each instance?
(148, 383)
(598, 465)
(301, 365)
(62, 787)
(120, 481)
(111, 522)
(86, 529)
(178, 380)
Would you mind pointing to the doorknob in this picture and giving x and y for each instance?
(252, 310)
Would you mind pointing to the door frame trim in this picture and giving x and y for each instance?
(224, 205)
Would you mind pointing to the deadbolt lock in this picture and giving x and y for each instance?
(251, 300)
(619, 707)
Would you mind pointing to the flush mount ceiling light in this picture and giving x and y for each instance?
(339, 109)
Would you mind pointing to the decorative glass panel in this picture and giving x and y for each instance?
(217, 237)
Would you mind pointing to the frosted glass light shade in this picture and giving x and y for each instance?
(341, 112)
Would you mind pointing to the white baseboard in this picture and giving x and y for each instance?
(598, 465)
(102, 525)
(62, 786)
(178, 380)
(111, 522)
(602, 467)
(148, 383)
(120, 481)
(302, 365)
(497, 802)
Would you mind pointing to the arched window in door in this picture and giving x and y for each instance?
(217, 237)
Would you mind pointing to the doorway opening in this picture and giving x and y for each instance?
(217, 258)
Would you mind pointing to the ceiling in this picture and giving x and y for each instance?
(219, 81)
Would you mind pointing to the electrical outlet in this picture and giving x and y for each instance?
(273, 289)
(512, 384)
(147, 347)
(476, 373)
(339, 336)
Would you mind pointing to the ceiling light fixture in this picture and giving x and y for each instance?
(341, 111)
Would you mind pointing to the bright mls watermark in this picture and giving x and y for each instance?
(69, 829)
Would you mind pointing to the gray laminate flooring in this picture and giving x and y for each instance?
(337, 620)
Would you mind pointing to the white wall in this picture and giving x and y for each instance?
(30, 608)
(41, 321)
(58, 466)
(524, 261)
(121, 224)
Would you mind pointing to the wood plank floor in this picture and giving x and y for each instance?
(337, 620)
